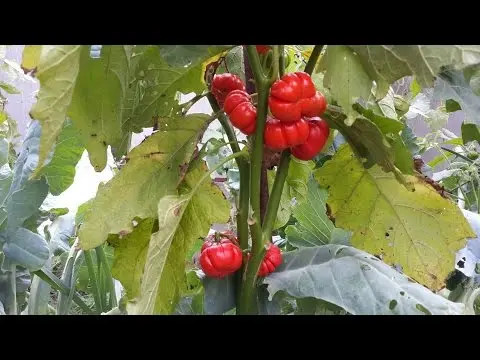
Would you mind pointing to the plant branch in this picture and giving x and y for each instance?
(276, 194)
(12, 296)
(248, 293)
(93, 279)
(312, 61)
(281, 60)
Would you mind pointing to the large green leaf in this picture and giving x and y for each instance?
(60, 171)
(313, 226)
(182, 219)
(294, 189)
(345, 77)
(417, 230)
(219, 295)
(453, 85)
(97, 102)
(153, 170)
(387, 63)
(162, 82)
(356, 281)
(57, 72)
(26, 248)
(129, 257)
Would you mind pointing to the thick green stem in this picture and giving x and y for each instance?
(276, 194)
(281, 61)
(248, 292)
(93, 280)
(110, 282)
(12, 296)
(312, 61)
(54, 282)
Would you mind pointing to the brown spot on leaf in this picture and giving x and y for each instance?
(176, 211)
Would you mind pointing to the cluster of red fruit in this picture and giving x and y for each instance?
(221, 256)
(295, 106)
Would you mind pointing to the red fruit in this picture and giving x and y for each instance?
(262, 49)
(241, 111)
(293, 96)
(280, 135)
(223, 84)
(317, 138)
(272, 259)
(220, 256)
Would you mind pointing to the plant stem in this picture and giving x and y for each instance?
(187, 106)
(276, 194)
(93, 279)
(108, 276)
(12, 296)
(54, 282)
(281, 60)
(101, 282)
(312, 61)
(247, 296)
(457, 154)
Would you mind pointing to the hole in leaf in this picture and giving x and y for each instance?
(392, 304)
(461, 264)
(339, 251)
(402, 293)
(387, 235)
(423, 309)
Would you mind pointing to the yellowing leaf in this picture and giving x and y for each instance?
(153, 170)
(31, 57)
(57, 72)
(182, 219)
(420, 230)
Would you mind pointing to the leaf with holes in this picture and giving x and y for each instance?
(313, 227)
(386, 64)
(57, 72)
(418, 230)
(355, 281)
(153, 170)
(182, 219)
(96, 106)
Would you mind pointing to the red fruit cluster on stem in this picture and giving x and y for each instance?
(241, 111)
(220, 255)
(223, 84)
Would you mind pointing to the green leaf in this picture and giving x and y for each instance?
(385, 124)
(355, 281)
(153, 170)
(162, 82)
(60, 171)
(386, 64)
(219, 295)
(345, 78)
(294, 189)
(182, 220)
(313, 226)
(184, 55)
(452, 106)
(470, 132)
(415, 87)
(312, 306)
(57, 72)
(387, 105)
(97, 101)
(10, 89)
(410, 140)
(129, 257)
(26, 248)
(418, 230)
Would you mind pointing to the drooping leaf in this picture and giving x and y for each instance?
(182, 219)
(129, 257)
(418, 230)
(345, 77)
(31, 57)
(162, 84)
(153, 170)
(470, 133)
(219, 295)
(185, 55)
(355, 281)
(387, 63)
(313, 227)
(26, 248)
(60, 171)
(57, 72)
(97, 101)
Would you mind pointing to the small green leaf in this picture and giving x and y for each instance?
(415, 87)
(452, 106)
(470, 132)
